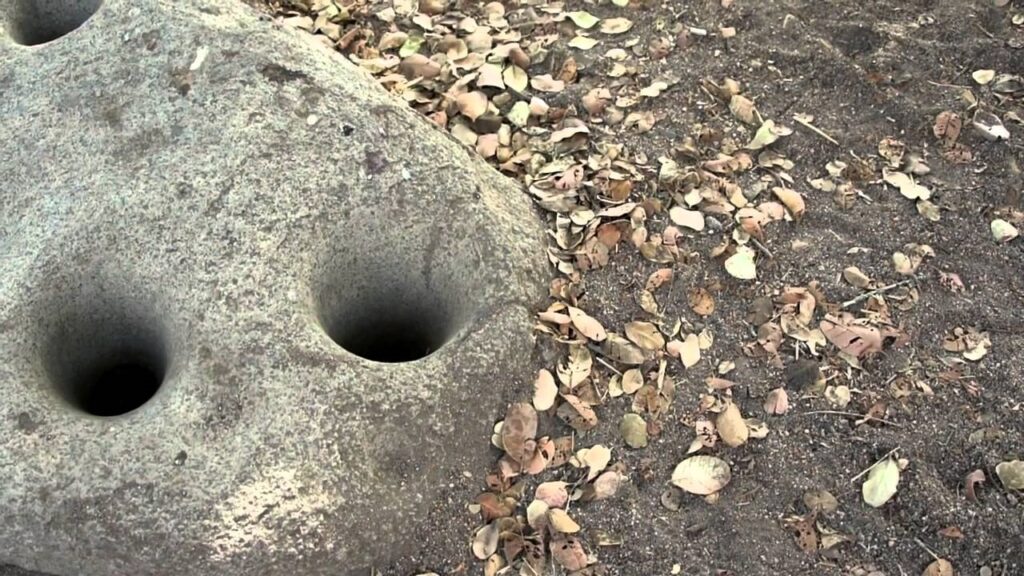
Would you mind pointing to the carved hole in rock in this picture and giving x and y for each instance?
(32, 22)
(106, 364)
(398, 323)
(390, 305)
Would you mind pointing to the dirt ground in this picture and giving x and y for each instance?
(866, 71)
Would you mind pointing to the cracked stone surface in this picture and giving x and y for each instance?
(197, 208)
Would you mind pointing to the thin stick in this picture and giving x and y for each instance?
(607, 365)
(876, 292)
(762, 248)
(880, 460)
(851, 415)
(926, 549)
(944, 85)
(816, 130)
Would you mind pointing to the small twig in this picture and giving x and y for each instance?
(816, 130)
(607, 365)
(927, 549)
(762, 248)
(876, 292)
(880, 460)
(944, 85)
(851, 415)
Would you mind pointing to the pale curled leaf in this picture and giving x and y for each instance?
(881, 484)
(702, 474)
(1011, 474)
(940, 567)
(544, 391)
(741, 264)
(731, 426)
(485, 542)
(560, 521)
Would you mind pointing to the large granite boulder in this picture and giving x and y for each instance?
(254, 312)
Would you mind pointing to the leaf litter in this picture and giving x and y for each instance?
(477, 75)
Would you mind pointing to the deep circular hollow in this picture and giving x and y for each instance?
(117, 386)
(402, 324)
(106, 364)
(33, 22)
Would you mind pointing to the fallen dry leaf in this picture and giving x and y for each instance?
(1011, 474)
(741, 264)
(777, 402)
(792, 200)
(544, 391)
(645, 335)
(940, 567)
(971, 481)
(702, 474)
(519, 429)
(701, 301)
(857, 341)
(587, 326)
(560, 521)
(485, 542)
(883, 479)
(633, 430)
(568, 552)
(554, 494)
(731, 426)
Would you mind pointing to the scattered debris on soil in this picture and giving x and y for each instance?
(784, 334)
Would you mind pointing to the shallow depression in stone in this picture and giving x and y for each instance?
(33, 22)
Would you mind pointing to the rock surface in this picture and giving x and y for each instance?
(254, 312)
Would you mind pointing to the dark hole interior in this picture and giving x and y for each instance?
(394, 339)
(32, 22)
(116, 389)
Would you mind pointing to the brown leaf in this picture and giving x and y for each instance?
(658, 278)
(567, 74)
(560, 521)
(776, 402)
(972, 480)
(645, 335)
(805, 533)
(472, 104)
(519, 427)
(545, 83)
(947, 127)
(623, 351)
(951, 532)
(568, 553)
(544, 390)
(857, 341)
(587, 326)
(494, 506)
(742, 108)
(554, 494)
(577, 414)
(701, 301)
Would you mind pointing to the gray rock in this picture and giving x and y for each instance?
(255, 313)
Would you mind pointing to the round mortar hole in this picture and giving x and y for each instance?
(116, 389)
(33, 22)
(386, 316)
(106, 362)
(399, 337)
